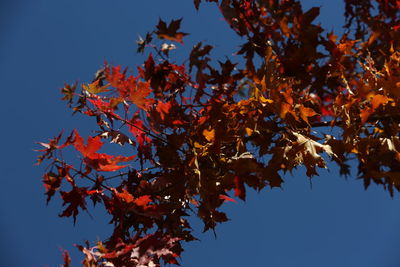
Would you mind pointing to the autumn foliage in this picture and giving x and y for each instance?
(200, 133)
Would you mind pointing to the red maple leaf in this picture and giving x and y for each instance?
(114, 77)
(106, 163)
(138, 129)
(163, 108)
(98, 161)
(94, 144)
(143, 200)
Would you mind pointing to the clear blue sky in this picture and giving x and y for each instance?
(44, 43)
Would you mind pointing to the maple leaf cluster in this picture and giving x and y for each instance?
(201, 135)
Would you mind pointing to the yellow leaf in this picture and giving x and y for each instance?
(94, 87)
(265, 100)
(197, 145)
(209, 135)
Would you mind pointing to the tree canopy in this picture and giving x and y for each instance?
(197, 133)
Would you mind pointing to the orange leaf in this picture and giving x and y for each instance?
(378, 100)
(288, 96)
(143, 200)
(125, 196)
(94, 87)
(365, 113)
(209, 135)
(249, 131)
(139, 93)
(306, 112)
(285, 108)
(163, 108)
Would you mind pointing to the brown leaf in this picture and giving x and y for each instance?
(170, 32)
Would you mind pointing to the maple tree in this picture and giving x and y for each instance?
(200, 135)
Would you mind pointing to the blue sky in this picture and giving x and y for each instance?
(45, 43)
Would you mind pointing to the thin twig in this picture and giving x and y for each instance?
(147, 132)
(82, 174)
